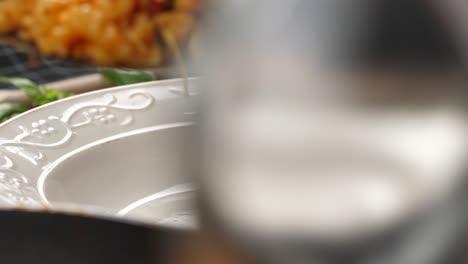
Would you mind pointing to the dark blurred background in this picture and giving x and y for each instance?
(410, 32)
(15, 63)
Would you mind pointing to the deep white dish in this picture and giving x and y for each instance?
(113, 152)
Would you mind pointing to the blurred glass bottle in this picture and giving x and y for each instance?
(328, 127)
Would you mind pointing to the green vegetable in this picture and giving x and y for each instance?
(8, 110)
(123, 77)
(39, 94)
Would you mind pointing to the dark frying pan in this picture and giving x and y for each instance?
(39, 237)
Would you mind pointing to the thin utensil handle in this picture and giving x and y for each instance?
(81, 84)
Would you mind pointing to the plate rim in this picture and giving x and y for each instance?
(95, 92)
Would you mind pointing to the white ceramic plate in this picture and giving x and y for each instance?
(117, 152)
